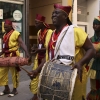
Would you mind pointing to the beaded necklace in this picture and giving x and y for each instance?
(54, 38)
(41, 36)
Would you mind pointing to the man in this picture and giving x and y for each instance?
(72, 40)
(43, 38)
(11, 42)
(94, 72)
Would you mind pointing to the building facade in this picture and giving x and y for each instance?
(84, 12)
(23, 12)
(14, 10)
(45, 8)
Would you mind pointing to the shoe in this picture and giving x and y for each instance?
(12, 94)
(4, 93)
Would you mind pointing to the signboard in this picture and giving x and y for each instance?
(17, 26)
(1, 13)
(3, 27)
(17, 15)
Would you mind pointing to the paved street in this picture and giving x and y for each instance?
(23, 89)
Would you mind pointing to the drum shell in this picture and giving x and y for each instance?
(55, 82)
(13, 61)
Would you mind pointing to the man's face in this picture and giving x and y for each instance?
(7, 27)
(58, 17)
(96, 26)
(38, 24)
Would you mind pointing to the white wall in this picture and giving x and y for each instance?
(93, 9)
(43, 7)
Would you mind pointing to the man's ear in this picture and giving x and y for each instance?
(65, 16)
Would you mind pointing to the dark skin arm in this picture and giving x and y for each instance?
(34, 51)
(23, 46)
(34, 73)
(90, 53)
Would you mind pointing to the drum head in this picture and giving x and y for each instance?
(55, 81)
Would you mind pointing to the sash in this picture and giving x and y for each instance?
(6, 41)
(66, 52)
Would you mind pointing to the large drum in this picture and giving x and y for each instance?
(56, 81)
(13, 61)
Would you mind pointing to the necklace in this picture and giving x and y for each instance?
(42, 35)
(54, 40)
(55, 36)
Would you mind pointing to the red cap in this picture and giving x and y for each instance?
(8, 22)
(41, 19)
(66, 9)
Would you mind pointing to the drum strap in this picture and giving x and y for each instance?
(61, 41)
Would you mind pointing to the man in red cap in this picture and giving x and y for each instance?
(11, 42)
(68, 41)
(43, 37)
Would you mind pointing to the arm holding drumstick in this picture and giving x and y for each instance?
(29, 73)
(23, 69)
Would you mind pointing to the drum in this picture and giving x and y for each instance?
(13, 61)
(56, 81)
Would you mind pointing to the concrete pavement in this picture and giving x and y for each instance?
(23, 92)
(23, 89)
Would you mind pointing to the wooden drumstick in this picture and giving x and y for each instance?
(25, 70)
(31, 76)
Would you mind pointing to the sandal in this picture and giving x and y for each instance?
(12, 94)
(4, 93)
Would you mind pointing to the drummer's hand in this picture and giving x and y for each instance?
(32, 48)
(27, 55)
(79, 67)
(33, 52)
(33, 74)
(30, 75)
